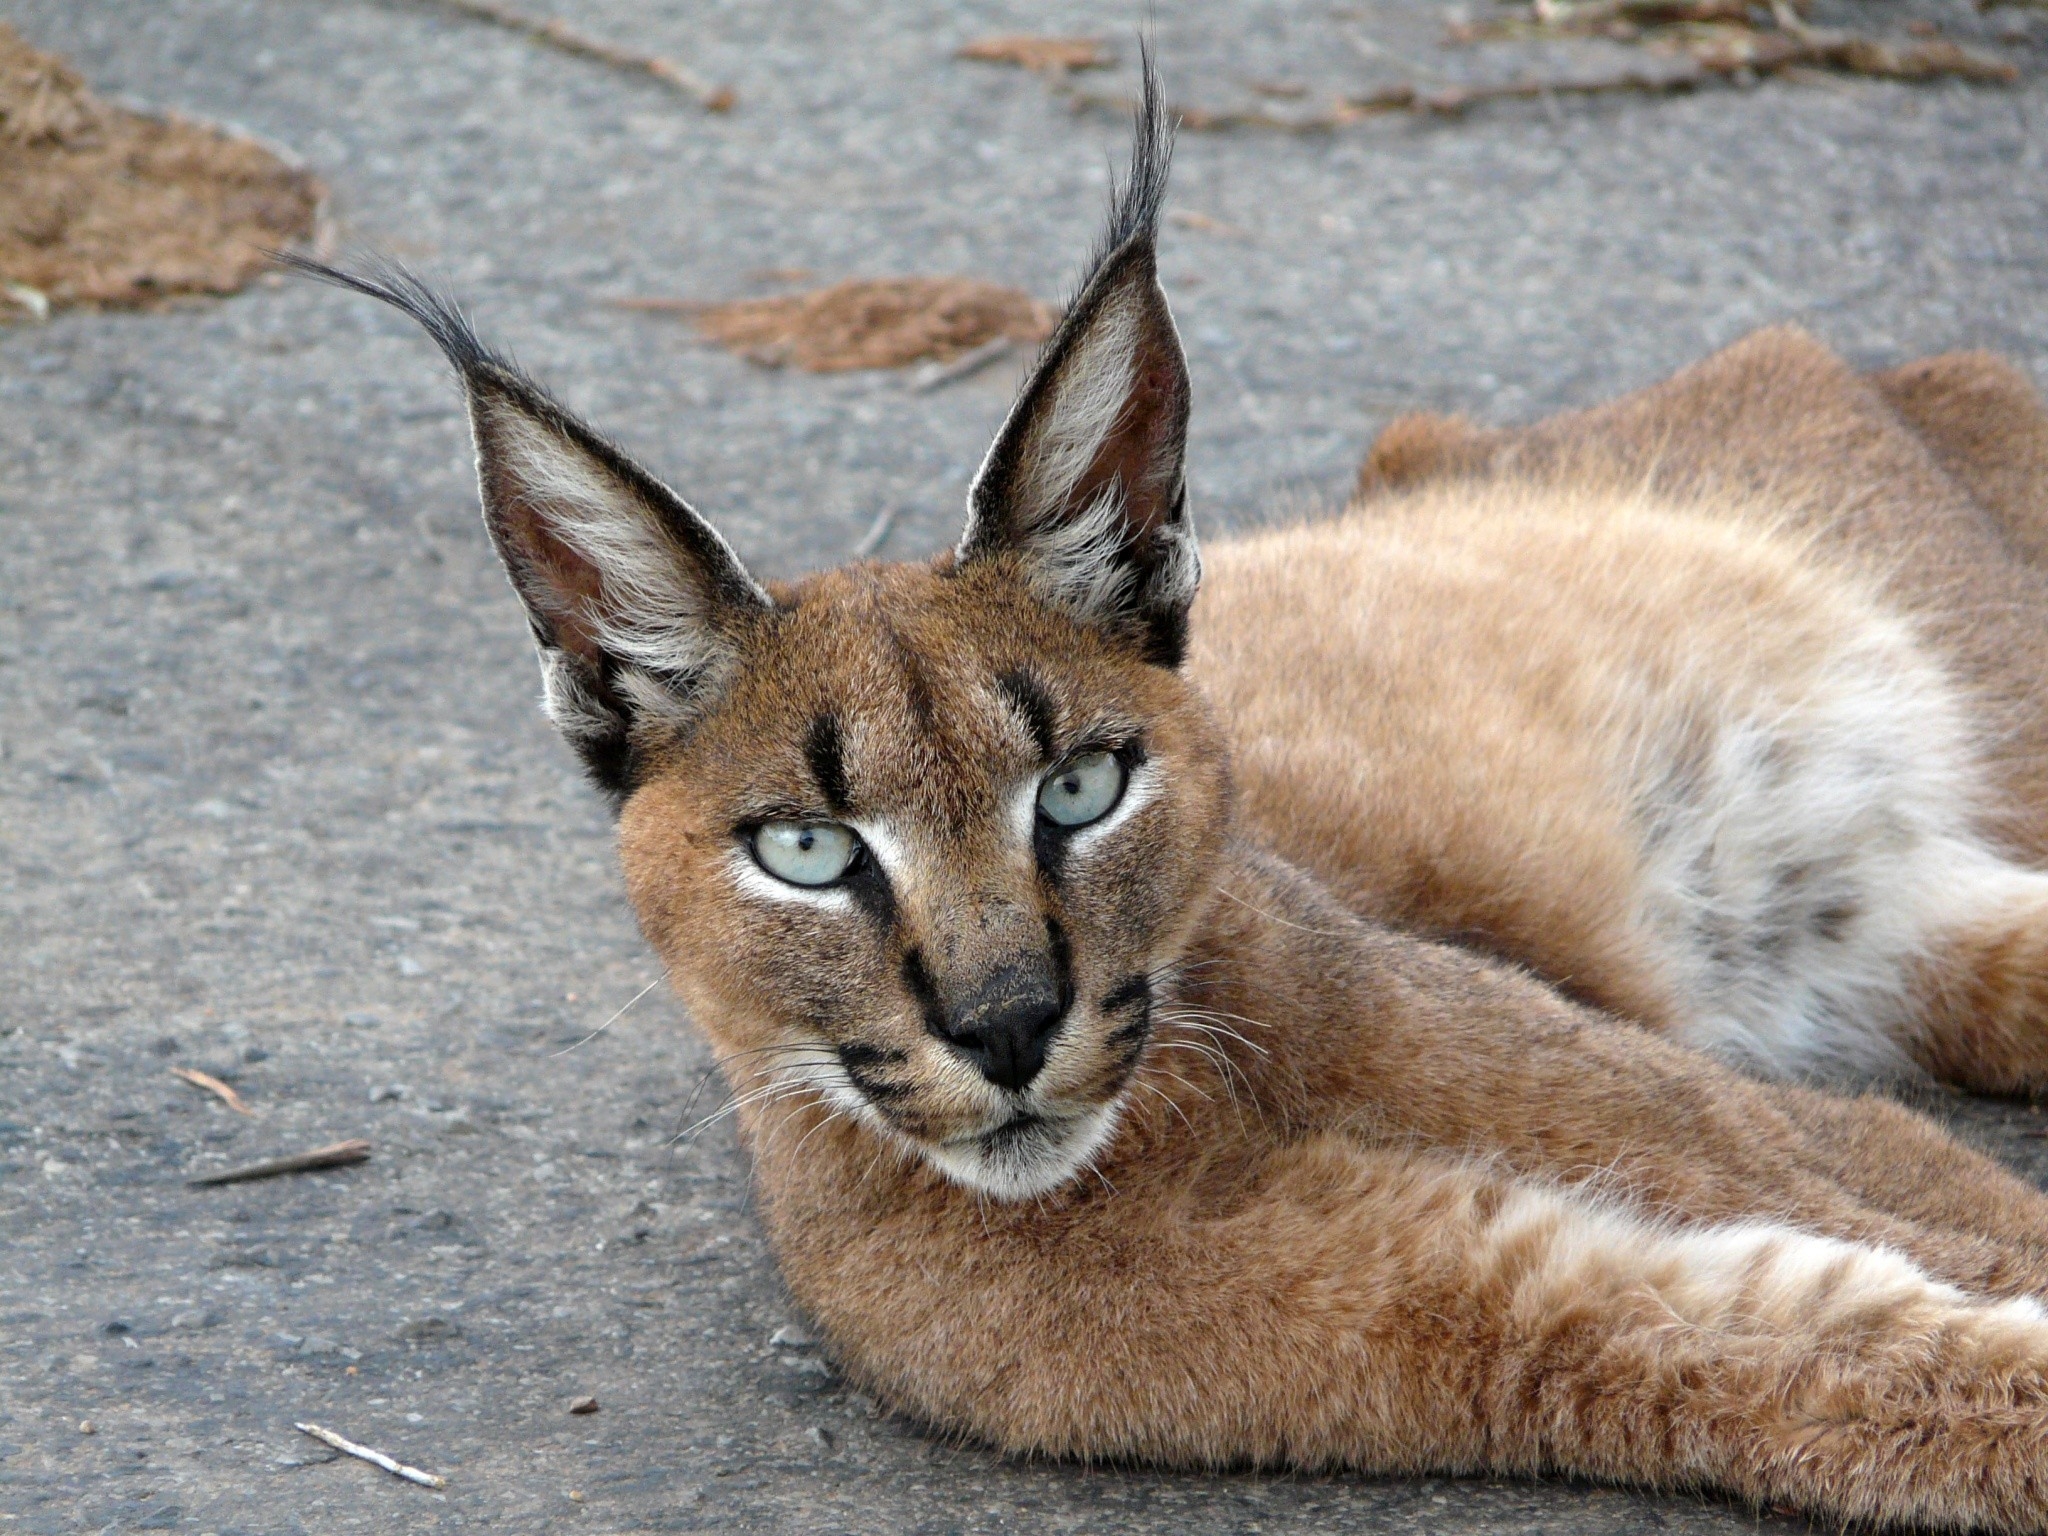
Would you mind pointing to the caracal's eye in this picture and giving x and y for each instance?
(1082, 789)
(805, 852)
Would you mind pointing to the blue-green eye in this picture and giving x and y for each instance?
(805, 852)
(1082, 789)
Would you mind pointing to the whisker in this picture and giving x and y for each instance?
(1191, 1087)
(1207, 1023)
(1161, 1094)
(786, 1047)
(778, 1088)
(608, 1023)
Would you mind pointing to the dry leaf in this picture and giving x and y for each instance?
(214, 1086)
(886, 322)
(1054, 55)
(103, 206)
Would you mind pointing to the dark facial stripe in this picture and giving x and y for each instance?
(1128, 992)
(828, 764)
(917, 688)
(1062, 961)
(857, 1053)
(1021, 691)
(1129, 1038)
(918, 982)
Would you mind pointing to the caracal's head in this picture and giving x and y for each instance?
(918, 842)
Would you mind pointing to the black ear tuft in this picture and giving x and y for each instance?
(1084, 487)
(1135, 205)
(637, 605)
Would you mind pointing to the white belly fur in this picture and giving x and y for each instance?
(1802, 850)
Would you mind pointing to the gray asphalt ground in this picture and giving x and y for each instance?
(275, 800)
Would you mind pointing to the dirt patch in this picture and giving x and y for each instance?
(103, 206)
(888, 322)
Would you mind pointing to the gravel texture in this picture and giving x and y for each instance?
(276, 803)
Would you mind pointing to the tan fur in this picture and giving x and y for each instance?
(1380, 1202)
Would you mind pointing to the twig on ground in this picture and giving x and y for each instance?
(214, 1086)
(34, 300)
(340, 1155)
(375, 1458)
(1209, 224)
(658, 306)
(1695, 43)
(938, 375)
(563, 38)
(1699, 62)
(877, 534)
(1723, 37)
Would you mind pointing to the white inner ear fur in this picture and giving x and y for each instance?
(655, 608)
(1088, 399)
(1077, 564)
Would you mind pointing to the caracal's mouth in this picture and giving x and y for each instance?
(1031, 1153)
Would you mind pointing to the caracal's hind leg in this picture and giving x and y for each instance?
(1979, 989)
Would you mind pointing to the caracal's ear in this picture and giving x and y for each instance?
(637, 604)
(1084, 485)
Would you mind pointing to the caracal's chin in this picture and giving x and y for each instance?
(1030, 1154)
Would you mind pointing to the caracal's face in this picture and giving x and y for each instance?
(929, 859)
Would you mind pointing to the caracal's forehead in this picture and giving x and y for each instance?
(891, 689)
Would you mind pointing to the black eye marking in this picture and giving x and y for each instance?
(822, 750)
(1023, 694)
(870, 889)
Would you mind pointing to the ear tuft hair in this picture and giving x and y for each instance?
(637, 605)
(1084, 487)
(1136, 201)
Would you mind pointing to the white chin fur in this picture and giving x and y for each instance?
(1036, 1163)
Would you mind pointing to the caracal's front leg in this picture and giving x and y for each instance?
(1395, 1311)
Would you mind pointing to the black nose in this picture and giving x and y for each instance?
(1006, 1027)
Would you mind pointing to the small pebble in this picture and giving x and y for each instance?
(583, 1405)
(789, 1336)
(575, 1495)
(361, 1020)
(821, 1437)
(388, 1091)
(87, 1427)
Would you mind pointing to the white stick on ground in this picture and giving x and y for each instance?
(877, 532)
(374, 1458)
(938, 375)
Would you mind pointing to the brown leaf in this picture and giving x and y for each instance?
(1054, 55)
(103, 206)
(886, 322)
